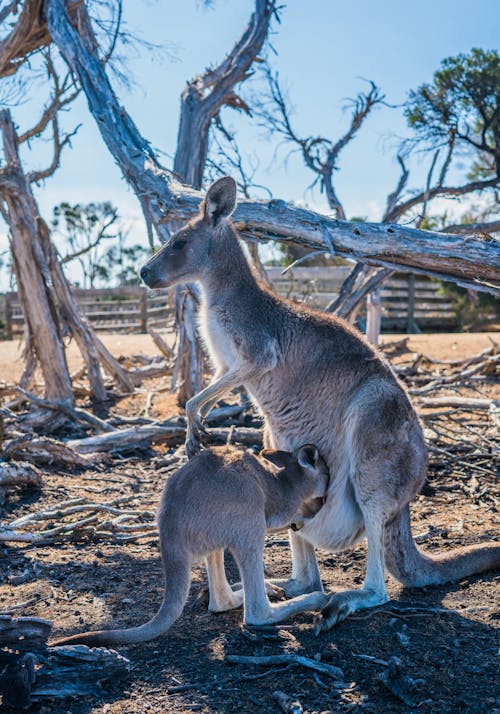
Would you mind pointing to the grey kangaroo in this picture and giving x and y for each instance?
(314, 378)
(226, 498)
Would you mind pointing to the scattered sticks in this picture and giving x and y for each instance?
(118, 525)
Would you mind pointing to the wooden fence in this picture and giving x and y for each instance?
(408, 302)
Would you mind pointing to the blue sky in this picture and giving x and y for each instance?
(323, 49)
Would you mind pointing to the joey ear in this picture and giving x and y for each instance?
(278, 458)
(308, 456)
(220, 200)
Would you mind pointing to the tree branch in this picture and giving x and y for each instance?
(29, 34)
(35, 176)
(205, 94)
(485, 227)
(466, 260)
(470, 187)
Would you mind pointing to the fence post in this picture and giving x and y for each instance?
(411, 325)
(144, 309)
(8, 317)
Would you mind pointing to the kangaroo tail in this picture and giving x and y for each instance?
(414, 568)
(177, 582)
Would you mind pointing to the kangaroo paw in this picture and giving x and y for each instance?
(343, 604)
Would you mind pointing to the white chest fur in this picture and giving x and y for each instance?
(218, 340)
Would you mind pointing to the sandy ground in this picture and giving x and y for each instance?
(439, 346)
(448, 646)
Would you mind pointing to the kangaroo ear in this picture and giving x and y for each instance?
(278, 458)
(308, 456)
(220, 200)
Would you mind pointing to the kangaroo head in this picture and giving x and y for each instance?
(306, 465)
(187, 253)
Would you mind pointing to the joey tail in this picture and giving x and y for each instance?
(177, 582)
(414, 568)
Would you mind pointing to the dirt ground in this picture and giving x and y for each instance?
(447, 643)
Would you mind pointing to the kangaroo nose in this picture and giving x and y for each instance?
(144, 272)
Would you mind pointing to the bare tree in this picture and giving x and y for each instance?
(320, 155)
(49, 309)
(201, 102)
(468, 261)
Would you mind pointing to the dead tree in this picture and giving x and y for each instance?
(321, 155)
(201, 102)
(467, 260)
(49, 308)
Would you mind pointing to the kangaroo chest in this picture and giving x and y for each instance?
(219, 340)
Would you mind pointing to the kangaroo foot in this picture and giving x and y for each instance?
(194, 433)
(230, 600)
(273, 590)
(294, 587)
(343, 604)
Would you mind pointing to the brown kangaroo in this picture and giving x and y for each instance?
(313, 377)
(226, 498)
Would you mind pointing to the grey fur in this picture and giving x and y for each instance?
(225, 498)
(314, 378)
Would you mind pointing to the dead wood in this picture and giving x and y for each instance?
(286, 703)
(166, 351)
(467, 260)
(77, 415)
(19, 474)
(93, 522)
(462, 403)
(43, 450)
(286, 659)
(32, 672)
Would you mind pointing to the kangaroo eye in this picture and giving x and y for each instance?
(178, 245)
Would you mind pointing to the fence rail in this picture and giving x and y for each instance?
(408, 302)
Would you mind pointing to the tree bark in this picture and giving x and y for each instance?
(33, 274)
(48, 305)
(466, 260)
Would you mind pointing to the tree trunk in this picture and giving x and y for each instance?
(49, 308)
(32, 274)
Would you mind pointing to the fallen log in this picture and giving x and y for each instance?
(31, 672)
(19, 474)
(45, 451)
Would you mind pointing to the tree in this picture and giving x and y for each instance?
(83, 228)
(49, 308)
(458, 112)
(468, 261)
(201, 103)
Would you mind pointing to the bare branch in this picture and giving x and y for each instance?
(320, 155)
(29, 34)
(59, 100)
(485, 227)
(393, 197)
(205, 94)
(471, 187)
(466, 260)
(35, 176)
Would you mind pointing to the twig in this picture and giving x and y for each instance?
(285, 659)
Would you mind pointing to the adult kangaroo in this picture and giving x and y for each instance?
(315, 379)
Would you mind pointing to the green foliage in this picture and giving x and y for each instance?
(84, 231)
(462, 103)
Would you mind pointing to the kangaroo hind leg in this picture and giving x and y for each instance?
(373, 592)
(258, 609)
